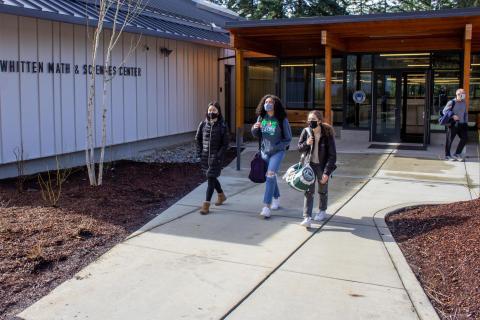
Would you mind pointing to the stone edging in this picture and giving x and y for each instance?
(417, 295)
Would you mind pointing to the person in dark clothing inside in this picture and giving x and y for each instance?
(459, 125)
(212, 144)
(317, 143)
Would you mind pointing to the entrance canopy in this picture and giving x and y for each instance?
(444, 30)
(393, 32)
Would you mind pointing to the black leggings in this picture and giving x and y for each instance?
(213, 183)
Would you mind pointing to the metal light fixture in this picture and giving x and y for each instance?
(165, 51)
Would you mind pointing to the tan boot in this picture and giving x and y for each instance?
(221, 199)
(205, 208)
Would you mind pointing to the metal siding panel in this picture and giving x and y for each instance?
(29, 89)
(162, 89)
(9, 90)
(108, 95)
(188, 86)
(57, 89)
(80, 36)
(194, 84)
(45, 83)
(129, 88)
(201, 79)
(172, 109)
(141, 83)
(98, 93)
(118, 125)
(67, 93)
(151, 76)
(180, 90)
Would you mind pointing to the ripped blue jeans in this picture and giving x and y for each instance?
(271, 187)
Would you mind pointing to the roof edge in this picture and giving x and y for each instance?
(431, 14)
(45, 15)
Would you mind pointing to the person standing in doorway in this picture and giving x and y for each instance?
(458, 125)
(273, 129)
(318, 140)
(212, 143)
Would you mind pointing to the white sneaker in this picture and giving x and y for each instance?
(266, 213)
(320, 216)
(275, 204)
(458, 157)
(449, 158)
(307, 222)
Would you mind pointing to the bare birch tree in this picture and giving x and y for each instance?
(118, 14)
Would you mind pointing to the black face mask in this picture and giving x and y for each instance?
(212, 115)
(313, 124)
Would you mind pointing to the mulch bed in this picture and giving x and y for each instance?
(42, 246)
(442, 245)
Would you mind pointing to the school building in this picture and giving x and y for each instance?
(380, 77)
(159, 91)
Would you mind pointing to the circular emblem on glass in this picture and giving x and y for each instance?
(359, 96)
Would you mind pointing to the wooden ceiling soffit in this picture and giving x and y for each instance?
(332, 41)
(252, 45)
(396, 45)
(252, 54)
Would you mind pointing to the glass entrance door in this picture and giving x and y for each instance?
(386, 107)
(413, 107)
(399, 105)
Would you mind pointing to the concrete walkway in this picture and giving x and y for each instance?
(232, 264)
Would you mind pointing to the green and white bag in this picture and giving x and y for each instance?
(301, 176)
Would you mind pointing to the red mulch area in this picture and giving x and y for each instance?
(442, 245)
(42, 246)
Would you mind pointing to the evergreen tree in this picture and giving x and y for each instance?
(276, 9)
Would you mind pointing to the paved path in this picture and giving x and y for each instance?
(232, 264)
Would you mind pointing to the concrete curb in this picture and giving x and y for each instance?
(417, 295)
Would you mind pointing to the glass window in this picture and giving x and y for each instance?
(448, 61)
(358, 115)
(446, 80)
(296, 79)
(260, 80)
(337, 88)
(475, 86)
(402, 60)
(352, 62)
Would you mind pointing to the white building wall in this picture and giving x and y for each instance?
(45, 113)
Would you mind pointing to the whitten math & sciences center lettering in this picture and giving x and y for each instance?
(20, 66)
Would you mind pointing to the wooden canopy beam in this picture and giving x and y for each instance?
(328, 85)
(239, 91)
(467, 54)
(331, 40)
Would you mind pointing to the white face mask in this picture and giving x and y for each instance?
(463, 96)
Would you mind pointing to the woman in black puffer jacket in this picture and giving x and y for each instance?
(212, 144)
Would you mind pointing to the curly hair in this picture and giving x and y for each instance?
(278, 109)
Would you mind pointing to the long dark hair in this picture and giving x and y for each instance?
(216, 105)
(278, 110)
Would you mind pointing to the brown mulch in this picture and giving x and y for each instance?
(42, 246)
(442, 245)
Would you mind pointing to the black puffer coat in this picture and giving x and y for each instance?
(212, 144)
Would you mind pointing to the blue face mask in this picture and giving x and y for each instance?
(268, 106)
